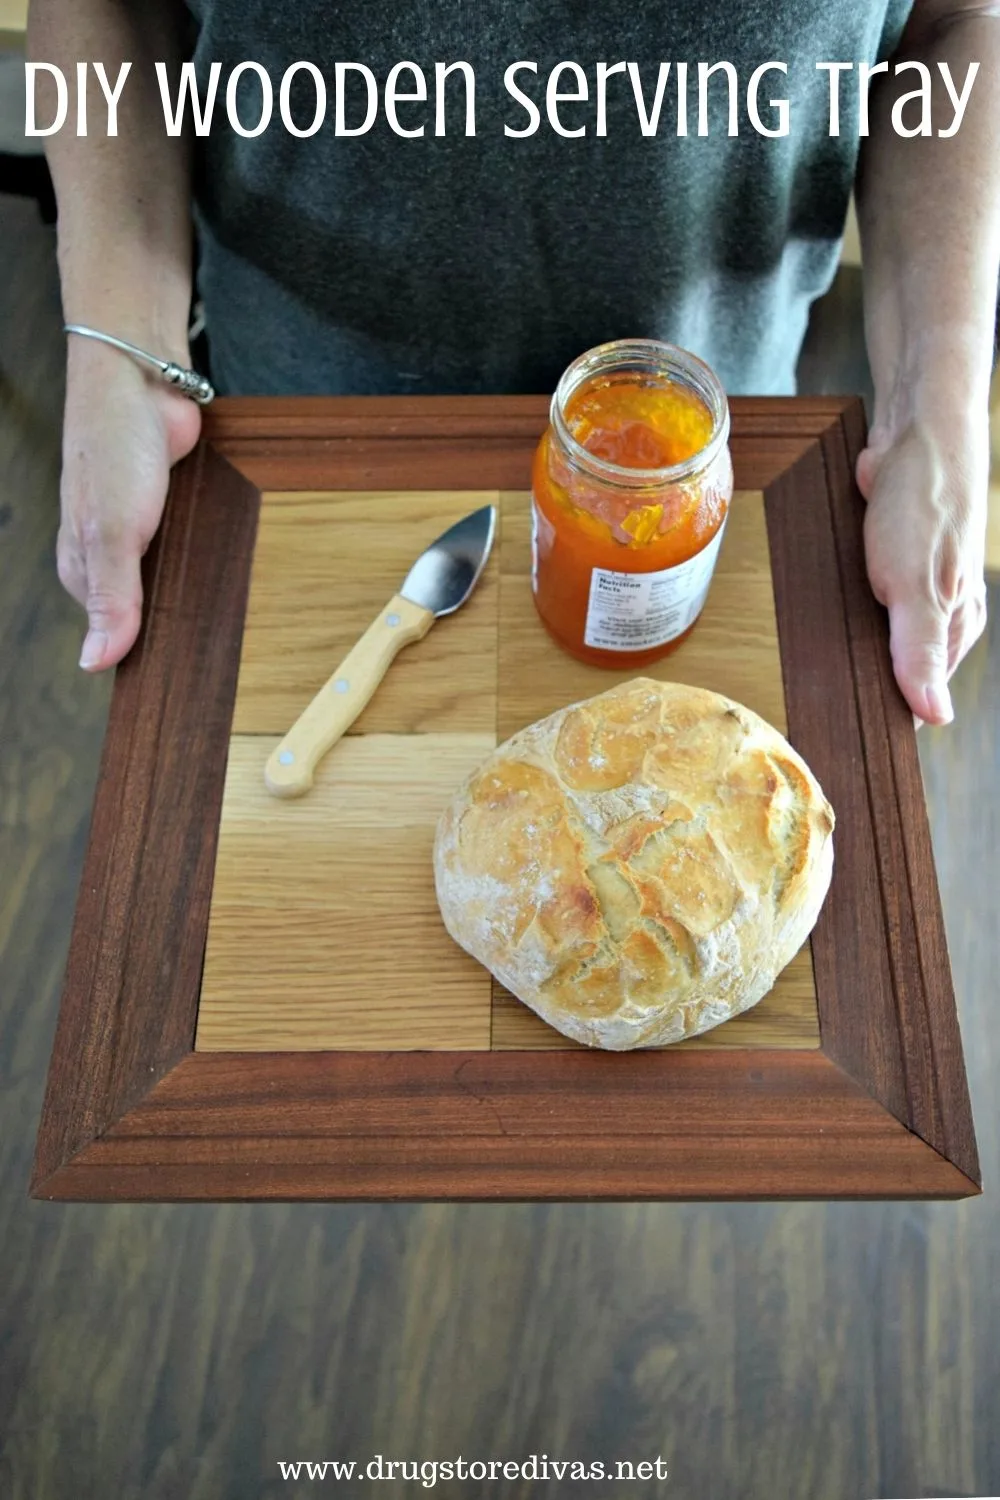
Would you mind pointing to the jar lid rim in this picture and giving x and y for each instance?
(673, 362)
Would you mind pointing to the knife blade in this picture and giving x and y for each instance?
(439, 583)
(443, 577)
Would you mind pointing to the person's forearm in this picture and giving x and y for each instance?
(125, 234)
(929, 216)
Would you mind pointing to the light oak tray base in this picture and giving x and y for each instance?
(324, 932)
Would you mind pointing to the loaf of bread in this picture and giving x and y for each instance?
(639, 867)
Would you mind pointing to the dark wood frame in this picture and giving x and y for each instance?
(132, 1112)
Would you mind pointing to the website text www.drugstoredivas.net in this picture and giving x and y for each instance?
(429, 1472)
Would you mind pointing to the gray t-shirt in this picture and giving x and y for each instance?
(485, 263)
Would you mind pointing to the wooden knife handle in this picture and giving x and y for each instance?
(290, 768)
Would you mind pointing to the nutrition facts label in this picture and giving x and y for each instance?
(637, 611)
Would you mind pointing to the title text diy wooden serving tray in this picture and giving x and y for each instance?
(261, 1000)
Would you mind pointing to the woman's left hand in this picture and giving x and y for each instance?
(925, 538)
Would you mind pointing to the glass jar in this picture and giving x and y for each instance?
(631, 487)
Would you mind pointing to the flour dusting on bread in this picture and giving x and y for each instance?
(638, 867)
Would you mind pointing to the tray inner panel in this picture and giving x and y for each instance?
(324, 932)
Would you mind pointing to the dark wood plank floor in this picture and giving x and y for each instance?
(810, 1352)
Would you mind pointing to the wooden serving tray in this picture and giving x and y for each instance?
(261, 1000)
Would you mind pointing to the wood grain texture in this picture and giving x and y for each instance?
(269, 422)
(849, 944)
(456, 450)
(134, 968)
(336, 707)
(384, 442)
(809, 1350)
(277, 972)
(349, 1095)
(324, 566)
(508, 1125)
(324, 929)
(786, 1017)
(732, 650)
(937, 1097)
(892, 1165)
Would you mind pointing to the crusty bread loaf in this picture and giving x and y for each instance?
(639, 867)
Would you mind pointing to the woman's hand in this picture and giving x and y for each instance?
(124, 243)
(121, 435)
(925, 536)
(929, 216)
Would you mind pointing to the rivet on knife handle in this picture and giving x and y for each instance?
(290, 768)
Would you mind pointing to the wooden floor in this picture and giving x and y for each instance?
(766, 1353)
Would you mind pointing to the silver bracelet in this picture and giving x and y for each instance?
(187, 382)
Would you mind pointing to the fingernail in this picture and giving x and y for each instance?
(939, 703)
(94, 648)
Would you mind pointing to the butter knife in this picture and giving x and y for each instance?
(438, 584)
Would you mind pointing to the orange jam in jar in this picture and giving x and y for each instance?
(631, 487)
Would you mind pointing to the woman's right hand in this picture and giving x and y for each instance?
(122, 432)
